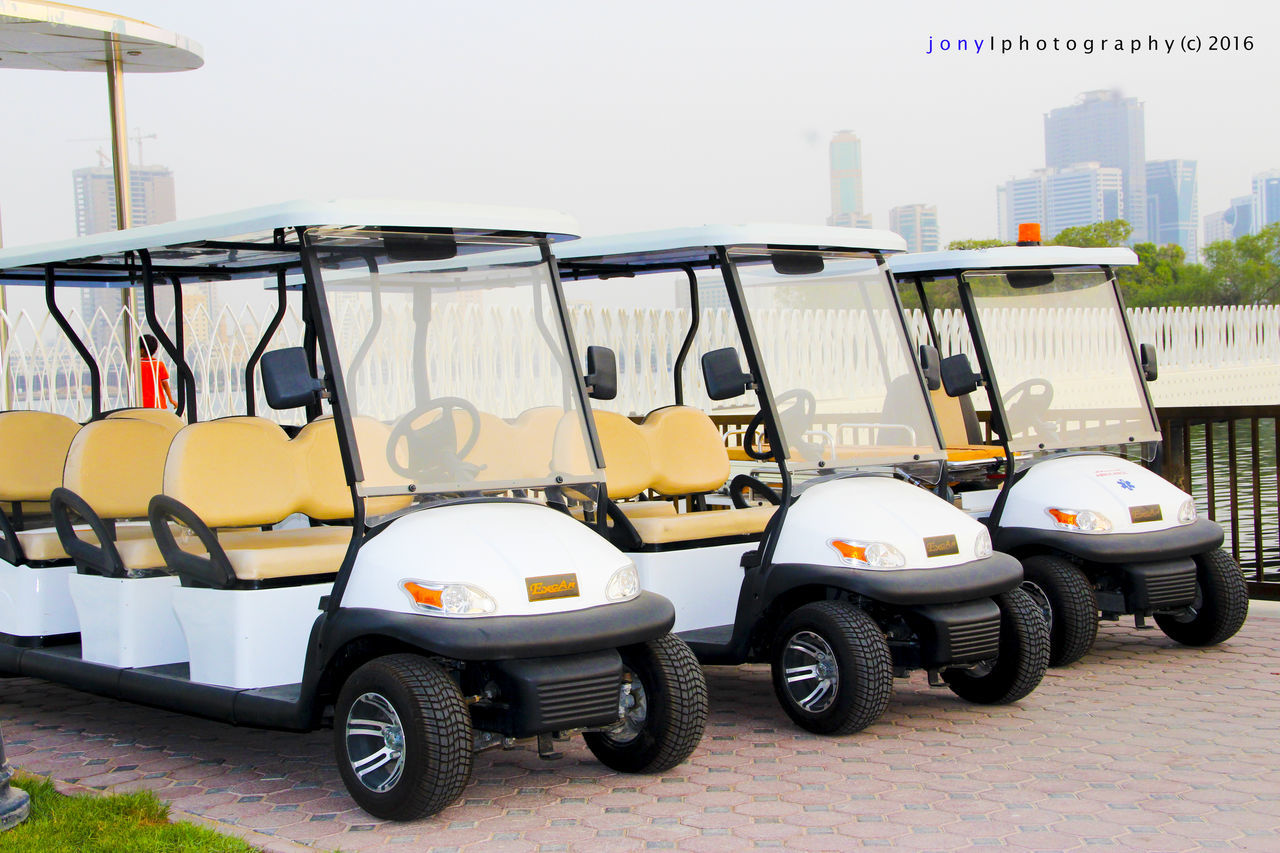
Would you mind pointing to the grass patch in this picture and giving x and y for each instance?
(137, 822)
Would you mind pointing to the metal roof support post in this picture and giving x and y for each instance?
(124, 200)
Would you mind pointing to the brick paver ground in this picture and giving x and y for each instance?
(1142, 745)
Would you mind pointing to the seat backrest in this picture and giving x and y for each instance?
(164, 417)
(236, 472)
(35, 446)
(117, 465)
(327, 495)
(954, 420)
(688, 451)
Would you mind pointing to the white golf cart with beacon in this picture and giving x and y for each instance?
(850, 574)
(1066, 387)
(396, 549)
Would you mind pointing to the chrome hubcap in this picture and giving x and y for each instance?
(810, 670)
(1041, 599)
(375, 742)
(633, 710)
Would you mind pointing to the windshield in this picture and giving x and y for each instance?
(457, 369)
(838, 360)
(1062, 358)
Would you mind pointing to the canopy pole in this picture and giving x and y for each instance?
(124, 202)
(6, 393)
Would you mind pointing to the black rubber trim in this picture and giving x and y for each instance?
(10, 547)
(1188, 540)
(101, 559)
(488, 638)
(212, 571)
(946, 585)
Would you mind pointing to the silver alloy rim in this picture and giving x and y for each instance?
(633, 708)
(375, 742)
(1041, 599)
(811, 673)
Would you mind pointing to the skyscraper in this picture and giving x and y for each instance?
(151, 201)
(1081, 194)
(1216, 227)
(918, 225)
(1266, 199)
(1020, 200)
(1172, 207)
(846, 181)
(1107, 128)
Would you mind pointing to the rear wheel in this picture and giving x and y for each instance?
(663, 712)
(1220, 608)
(1022, 659)
(1070, 606)
(831, 668)
(403, 738)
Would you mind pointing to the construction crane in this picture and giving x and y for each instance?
(137, 136)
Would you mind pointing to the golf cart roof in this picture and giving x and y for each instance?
(242, 244)
(673, 247)
(1010, 257)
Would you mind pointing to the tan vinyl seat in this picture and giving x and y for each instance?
(950, 414)
(676, 450)
(163, 417)
(35, 450)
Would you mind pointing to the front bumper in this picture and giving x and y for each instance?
(945, 585)
(1172, 543)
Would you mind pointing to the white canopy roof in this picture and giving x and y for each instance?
(57, 37)
(676, 245)
(1010, 257)
(257, 224)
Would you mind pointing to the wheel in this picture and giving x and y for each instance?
(831, 668)
(1021, 661)
(664, 713)
(1069, 604)
(1221, 604)
(403, 739)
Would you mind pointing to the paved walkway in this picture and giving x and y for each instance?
(1142, 745)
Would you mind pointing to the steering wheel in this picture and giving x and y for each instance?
(801, 406)
(430, 448)
(1028, 403)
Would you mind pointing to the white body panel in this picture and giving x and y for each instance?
(245, 638)
(1106, 484)
(702, 583)
(127, 622)
(493, 545)
(873, 509)
(1010, 257)
(36, 602)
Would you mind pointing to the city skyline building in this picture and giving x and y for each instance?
(1216, 227)
(1266, 199)
(845, 153)
(917, 224)
(1107, 128)
(1173, 209)
(1020, 200)
(1081, 194)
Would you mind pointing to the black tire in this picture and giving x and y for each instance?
(1222, 603)
(1069, 603)
(1021, 662)
(434, 728)
(856, 669)
(665, 723)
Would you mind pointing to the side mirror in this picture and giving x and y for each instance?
(287, 380)
(723, 375)
(930, 367)
(1147, 355)
(602, 373)
(958, 376)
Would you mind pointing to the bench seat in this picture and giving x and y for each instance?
(43, 545)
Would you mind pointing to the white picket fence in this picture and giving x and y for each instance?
(1208, 356)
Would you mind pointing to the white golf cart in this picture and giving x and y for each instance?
(396, 548)
(1066, 385)
(848, 574)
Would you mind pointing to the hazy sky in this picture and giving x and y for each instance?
(636, 115)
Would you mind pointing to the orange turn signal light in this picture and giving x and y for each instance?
(1063, 517)
(849, 551)
(421, 595)
(1028, 233)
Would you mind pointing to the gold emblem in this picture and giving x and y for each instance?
(552, 586)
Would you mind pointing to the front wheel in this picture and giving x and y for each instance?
(831, 668)
(403, 738)
(1220, 607)
(1021, 661)
(1069, 604)
(663, 709)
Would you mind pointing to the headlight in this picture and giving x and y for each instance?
(875, 555)
(982, 545)
(451, 599)
(1187, 512)
(1080, 520)
(623, 585)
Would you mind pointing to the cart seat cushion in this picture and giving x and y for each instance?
(710, 524)
(287, 553)
(974, 452)
(648, 509)
(144, 553)
(163, 417)
(35, 448)
(327, 495)
(235, 472)
(688, 451)
(628, 460)
(117, 465)
(43, 545)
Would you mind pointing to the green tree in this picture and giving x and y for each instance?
(1113, 232)
(1246, 271)
(984, 243)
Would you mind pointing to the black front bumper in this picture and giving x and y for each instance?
(1172, 543)
(537, 695)
(945, 585)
